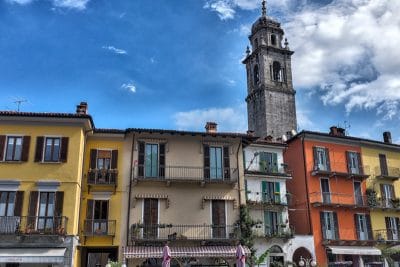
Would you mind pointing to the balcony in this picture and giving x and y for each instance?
(275, 172)
(346, 237)
(390, 173)
(387, 236)
(33, 225)
(102, 177)
(336, 200)
(265, 200)
(99, 227)
(201, 232)
(188, 174)
(384, 203)
(277, 231)
(341, 169)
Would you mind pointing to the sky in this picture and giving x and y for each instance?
(175, 64)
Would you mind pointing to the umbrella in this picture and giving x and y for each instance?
(166, 256)
(240, 256)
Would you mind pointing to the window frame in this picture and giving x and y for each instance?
(222, 167)
(151, 163)
(52, 149)
(7, 203)
(13, 148)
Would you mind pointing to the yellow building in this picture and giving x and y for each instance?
(41, 166)
(382, 161)
(103, 189)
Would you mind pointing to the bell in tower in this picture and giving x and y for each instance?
(270, 97)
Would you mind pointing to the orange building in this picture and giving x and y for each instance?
(328, 197)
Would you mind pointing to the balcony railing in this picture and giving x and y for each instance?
(273, 231)
(392, 173)
(99, 227)
(281, 171)
(31, 225)
(184, 232)
(341, 169)
(384, 203)
(263, 198)
(387, 235)
(347, 234)
(102, 176)
(188, 173)
(338, 199)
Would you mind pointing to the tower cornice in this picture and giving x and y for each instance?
(269, 89)
(268, 49)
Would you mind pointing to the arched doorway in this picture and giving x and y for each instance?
(276, 256)
(301, 252)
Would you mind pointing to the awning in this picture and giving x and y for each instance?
(32, 255)
(139, 252)
(353, 250)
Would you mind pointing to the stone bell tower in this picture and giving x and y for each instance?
(271, 106)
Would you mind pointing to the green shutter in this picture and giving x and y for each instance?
(263, 162)
(264, 191)
(267, 223)
(274, 162)
(245, 190)
(277, 193)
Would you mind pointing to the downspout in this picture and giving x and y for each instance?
(306, 182)
(130, 190)
(238, 166)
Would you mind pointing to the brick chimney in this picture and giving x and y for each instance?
(337, 131)
(387, 137)
(82, 108)
(211, 127)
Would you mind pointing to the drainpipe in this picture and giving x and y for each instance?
(238, 166)
(306, 182)
(130, 190)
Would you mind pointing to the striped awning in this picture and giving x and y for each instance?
(140, 252)
(157, 196)
(33, 255)
(213, 197)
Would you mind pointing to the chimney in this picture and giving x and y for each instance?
(211, 127)
(387, 137)
(250, 132)
(82, 108)
(337, 131)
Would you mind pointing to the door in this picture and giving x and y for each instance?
(46, 211)
(392, 226)
(271, 223)
(358, 194)
(218, 219)
(362, 227)
(100, 217)
(326, 194)
(353, 162)
(383, 164)
(329, 225)
(387, 193)
(150, 218)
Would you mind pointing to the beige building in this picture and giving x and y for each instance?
(185, 189)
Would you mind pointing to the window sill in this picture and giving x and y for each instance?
(12, 161)
(50, 162)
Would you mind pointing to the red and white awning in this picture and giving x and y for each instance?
(141, 252)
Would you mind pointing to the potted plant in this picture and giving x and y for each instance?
(371, 197)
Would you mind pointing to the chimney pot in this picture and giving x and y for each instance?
(337, 131)
(211, 127)
(82, 108)
(387, 137)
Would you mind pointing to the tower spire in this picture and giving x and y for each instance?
(264, 8)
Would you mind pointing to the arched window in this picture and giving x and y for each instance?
(273, 39)
(275, 249)
(256, 75)
(277, 71)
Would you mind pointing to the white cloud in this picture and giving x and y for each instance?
(349, 50)
(230, 119)
(303, 120)
(129, 86)
(115, 50)
(71, 4)
(224, 8)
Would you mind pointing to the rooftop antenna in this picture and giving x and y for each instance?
(18, 102)
(264, 8)
(347, 126)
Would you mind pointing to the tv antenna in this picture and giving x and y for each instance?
(18, 102)
(347, 126)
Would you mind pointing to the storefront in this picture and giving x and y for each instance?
(32, 257)
(354, 256)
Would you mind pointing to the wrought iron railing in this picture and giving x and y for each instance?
(384, 203)
(99, 227)
(266, 198)
(389, 235)
(274, 171)
(188, 173)
(270, 231)
(184, 232)
(102, 176)
(31, 225)
(327, 198)
(388, 172)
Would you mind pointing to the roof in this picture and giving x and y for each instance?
(109, 131)
(346, 137)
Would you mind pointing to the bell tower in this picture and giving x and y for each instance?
(271, 106)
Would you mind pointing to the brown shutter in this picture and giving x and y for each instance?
(32, 210)
(2, 145)
(393, 192)
(321, 219)
(383, 164)
(93, 158)
(315, 158)
(141, 159)
(25, 148)
(369, 227)
(388, 229)
(360, 165)
(383, 195)
(357, 226)
(206, 151)
(39, 149)
(227, 169)
(335, 221)
(64, 149)
(88, 227)
(348, 162)
(59, 203)
(114, 159)
(19, 203)
(161, 172)
(328, 161)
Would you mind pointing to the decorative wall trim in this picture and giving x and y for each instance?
(157, 196)
(213, 197)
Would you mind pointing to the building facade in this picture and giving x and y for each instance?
(41, 167)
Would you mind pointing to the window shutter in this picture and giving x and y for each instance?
(141, 159)
(32, 210)
(397, 223)
(383, 164)
(64, 149)
(335, 222)
(360, 166)
(2, 146)
(274, 162)
(25, 148)
(59, 204)
(315, 158)
(383, 195)
(39, 149)
(89, 209)
(277, 193)
(328, 161)
(321, 219)
(114, 159)
(392, 190)
(206, 151)
(357, 226)
(369, 227)
(388, 229)
(19, 203)
(264, 191)
(348, 161)
(161, 165)
(93, 158)
(267, 222)
(227, 169)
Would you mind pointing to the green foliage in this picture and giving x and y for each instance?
(262, 258)
(388, 252)
(371, 197)
(247, 236)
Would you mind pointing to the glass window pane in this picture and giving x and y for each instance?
(154, 160)
(50, 204)
(18, 148)
(42, 204)
(10, 148)
(97, 209)
(212, 163)
(56, 150)
(3, 199)
(48, 148)
(11, 201)
(148, 160)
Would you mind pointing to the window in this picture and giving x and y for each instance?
(216, 162)
(270, 192)
(277, 71)
(46, 210)
(321, 159)
(387, 195)
(363, 226)
(218, 218)
(272, 220)
(273, 39)
(52, 149)
(354, 162)
(151, 163)
(103, 159)
(325, 190)
(256, 75)
(383, 165)
(358, 194)
(392, 229)
(329, 225)
(268, 162)
(97, 217)
(150, 218)
(14, 148)
(7, 203)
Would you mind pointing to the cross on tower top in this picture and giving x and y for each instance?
(264, 8)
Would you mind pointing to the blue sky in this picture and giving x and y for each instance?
(176, 64)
